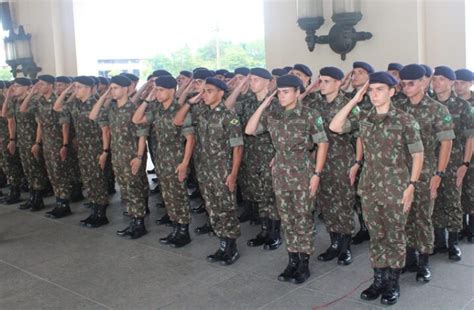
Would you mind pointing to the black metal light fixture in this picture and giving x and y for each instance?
(342, 37)
(310, 18)
(18, 53)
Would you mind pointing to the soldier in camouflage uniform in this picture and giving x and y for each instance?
(22, 127)
(448, 211)
(174, 147)
(49, 142)
(436, 129)
(128, 150)
(9, 163)
(388, 136)
(219, 150)
(90, 147)
(462, 86)
(294, 130)
(394, 69)
(337, 195)
(255, 176)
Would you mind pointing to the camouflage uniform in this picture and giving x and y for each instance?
(10, 164)
(337, 196)
(467, 197)
(26, 125)
(436, 126)
(448, 211)
(59, 171)
(218, 131)
(169, 152)
(294, 134)
(256, 177)
(387, 141)
(89, 139)
(124, 147)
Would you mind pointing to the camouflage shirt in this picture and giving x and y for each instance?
(4, 137)
(312, 99)
(365, 104)
(49, 120)
(25, 122)
(294, 133)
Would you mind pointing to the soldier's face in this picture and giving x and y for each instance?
(328, 85)
(220, 77)
(395, 74)
(287, 96)
(163, 94)
(427, 82)
(302, 76)
(60, 87)
(101, 88)
(212, 95)
(462, 87)
(182, 80)
(117, 91)
(44, 88)
(412, 88)
(19, 90)
(239, 78)
(442, 84)
(380, 94)
(198, 85)
(258, 84)
(82, 91)
(359, 77)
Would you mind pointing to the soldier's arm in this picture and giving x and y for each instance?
(104, 100)
(26, 102)
(253, 125)
(183, 95)
(340, 123)
(144, 89)
(139, 115)
(58, 105)
(5, 103)
(232, 99)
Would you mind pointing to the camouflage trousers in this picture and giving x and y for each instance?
(467, 197)
(386, 225)
(93, 177)
(221, 206)
(419, 226)
(257, 186)
(296, 213)
(73, 166)
(336, 199)
(133, 188)
(109, 172)
(59, 172)
(11, 165)
(34, 169)
(175, 196)
(448, 211)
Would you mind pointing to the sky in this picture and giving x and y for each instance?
(153, 27)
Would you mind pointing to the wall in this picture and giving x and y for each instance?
(405, 31)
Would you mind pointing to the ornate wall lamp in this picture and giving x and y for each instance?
(18, 53)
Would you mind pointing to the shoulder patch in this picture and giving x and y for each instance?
(319, 121)
(356, 110)
(416, 126)
(447, 119)
(472, 110)
(234, 121)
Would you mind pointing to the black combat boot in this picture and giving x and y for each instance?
(171, 235)
(471, 229)
(100, 217)
(391, 292)
(164, 220)
(454, 251)
(345, 254)
(92, 216)
(38, 203)
(247, 213)
(182, 236)
(126, 231)
(440, 241)
(377, 287)
(411, 260)
(424, 272)
(219, 254)
(204, 229)
(230, 252)
(138, 230)
(333, 250)
(273, 241)
(76, 194)
(27, 205)
(293, 262)
(61, 210)
(13, 196)
(363, 234)
(302, 272)
(262, 235)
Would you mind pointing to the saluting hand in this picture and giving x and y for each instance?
(195, 99)
(346, 81)
(361, 92)
(407, 199)
(266, 103)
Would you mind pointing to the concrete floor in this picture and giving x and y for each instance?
(56, 264)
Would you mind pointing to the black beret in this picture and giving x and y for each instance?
(333, 72)
(23, 81)
(303, 68)
(363, 65)
(2, 85)
(464, 75)
(186, 73)
(221, 72)
(242, 70)
(428, 70)
(229, 75)
(85, 80)
(34, 81)
(8, 83)
(213, 72)
(131, 77)
(103, 80)
(63, 79)
(279, 72)
(287, 69)
(289, 80)
(95, 79)
(261, 72)
(121, 80)
(395, 66)
(199, 68)
(217, 83)
(202, 74)
(166, 81)
(445, 71)
(47, 78)
(412, 72)
(383, 78)
(160, 72)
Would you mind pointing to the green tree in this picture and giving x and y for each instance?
(5, 74)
